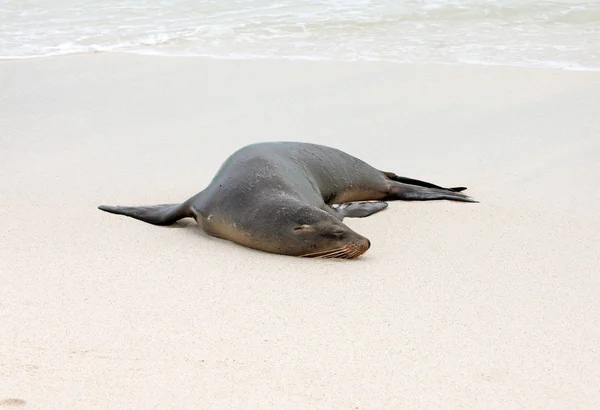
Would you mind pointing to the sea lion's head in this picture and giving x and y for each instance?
(311, 232)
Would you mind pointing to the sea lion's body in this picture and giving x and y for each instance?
(280, 197)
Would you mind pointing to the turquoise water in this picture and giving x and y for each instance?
(560, 33)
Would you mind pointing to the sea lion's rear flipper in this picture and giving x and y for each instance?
(409, 192)
(358, 209)
(416, 182)
(155, 214)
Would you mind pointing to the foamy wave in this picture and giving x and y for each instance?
(151, 40)
(561, 33)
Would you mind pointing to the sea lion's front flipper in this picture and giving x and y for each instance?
(358, 209)
(154, 214)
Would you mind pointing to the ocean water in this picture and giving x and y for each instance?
(558, 33)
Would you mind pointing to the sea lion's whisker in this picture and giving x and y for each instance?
(343, 253)
(355, 252)
(328, 251)
(334, 254)
(314, 254)
(349, 254)
(321, 253)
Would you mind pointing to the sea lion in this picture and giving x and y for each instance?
(290, 198)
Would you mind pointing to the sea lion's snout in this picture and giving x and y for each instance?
(359, 248)
(349, 246)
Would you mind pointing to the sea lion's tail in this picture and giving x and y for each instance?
(411, 181)
(155, 214)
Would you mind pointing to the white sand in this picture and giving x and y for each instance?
(490, 305)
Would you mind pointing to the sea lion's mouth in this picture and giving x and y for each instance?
(344, 252)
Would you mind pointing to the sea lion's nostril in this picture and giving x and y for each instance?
(368, 244)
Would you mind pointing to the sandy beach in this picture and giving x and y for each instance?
(488, 305)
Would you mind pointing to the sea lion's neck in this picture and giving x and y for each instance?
(198, 203)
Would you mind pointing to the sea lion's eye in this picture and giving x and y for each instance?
(302, 227)
(333, 234)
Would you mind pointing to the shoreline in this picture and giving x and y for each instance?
(573, 67)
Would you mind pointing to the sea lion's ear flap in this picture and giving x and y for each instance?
(304, 228)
